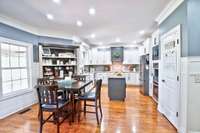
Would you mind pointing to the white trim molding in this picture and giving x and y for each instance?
(171, 7)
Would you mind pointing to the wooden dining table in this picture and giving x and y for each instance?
(74, 88)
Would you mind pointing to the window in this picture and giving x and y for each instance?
(14, 68)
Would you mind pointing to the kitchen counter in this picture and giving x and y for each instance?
(132, 78)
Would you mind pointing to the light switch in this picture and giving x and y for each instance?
(195, 78)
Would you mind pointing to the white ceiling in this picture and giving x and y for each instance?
(114, 18)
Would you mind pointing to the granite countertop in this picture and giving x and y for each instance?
(108, 72)
(118, 77)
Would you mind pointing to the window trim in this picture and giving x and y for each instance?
(29, 71)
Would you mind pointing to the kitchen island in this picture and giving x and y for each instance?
(117, 88)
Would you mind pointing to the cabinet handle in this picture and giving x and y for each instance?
(163, 81)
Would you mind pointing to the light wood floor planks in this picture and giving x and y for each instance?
(138, 114)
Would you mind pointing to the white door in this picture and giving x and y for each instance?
(170, 74)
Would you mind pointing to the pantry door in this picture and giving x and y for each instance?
(170, 74)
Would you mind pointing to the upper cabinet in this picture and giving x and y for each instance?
(145, 49)
(155, 47)
(155, 38)
(102, 56)
(147, 44)
(99, 56)
(131, 56)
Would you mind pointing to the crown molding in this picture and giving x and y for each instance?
(169, 9)
(31, 29)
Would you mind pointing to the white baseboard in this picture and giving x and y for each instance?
(194, 131)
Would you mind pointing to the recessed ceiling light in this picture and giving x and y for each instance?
(56, 1)
(50, 16)
(100, 43)
(134, 42)
(142, 32)
(117, 40)
(79, 23)
(92, 11)
(93, 35)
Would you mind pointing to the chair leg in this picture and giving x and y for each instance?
(96, 110)
(100, 108)
(79, 110)
(58, 129)
(41, 120)
(84, 107)
(57, 124)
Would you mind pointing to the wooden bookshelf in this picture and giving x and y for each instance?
(57, 61)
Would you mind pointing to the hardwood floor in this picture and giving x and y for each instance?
(137, 114)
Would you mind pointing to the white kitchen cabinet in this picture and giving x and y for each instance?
(107, 57)
(103, 76)
(132, 78)
(94, 56)
(145, 49)
(137, 78)
(99, 56)
(131, 56)
(147, 44)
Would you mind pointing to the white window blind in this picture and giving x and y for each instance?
(14, 68)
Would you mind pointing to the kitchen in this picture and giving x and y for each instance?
(99, 66)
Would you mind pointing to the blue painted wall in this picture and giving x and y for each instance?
(52, 40)
(17, 34)
(194, 27)
(179, 16)
(20, 35)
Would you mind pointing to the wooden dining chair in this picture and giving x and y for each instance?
(43, 81)
(47, 81)
(49, 102)
(92, 96)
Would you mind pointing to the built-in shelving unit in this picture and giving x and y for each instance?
(57, 61)
(155, 63)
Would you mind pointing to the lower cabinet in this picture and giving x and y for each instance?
(131, 78)
(103, 76)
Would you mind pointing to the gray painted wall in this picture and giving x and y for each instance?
(179, 16)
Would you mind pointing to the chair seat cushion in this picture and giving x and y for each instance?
(61, 104)
(88, 96)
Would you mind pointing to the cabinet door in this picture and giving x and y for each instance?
(135, 59)
(94, 56)
(101, 59)
(107, 57)
(131, 56)
(105, 78)
(90, 57)
(126, 56)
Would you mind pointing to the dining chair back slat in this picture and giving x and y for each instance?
(47, 94)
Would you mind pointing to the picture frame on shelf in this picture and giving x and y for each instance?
(46, 51)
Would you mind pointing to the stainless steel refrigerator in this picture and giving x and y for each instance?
(144, 74)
